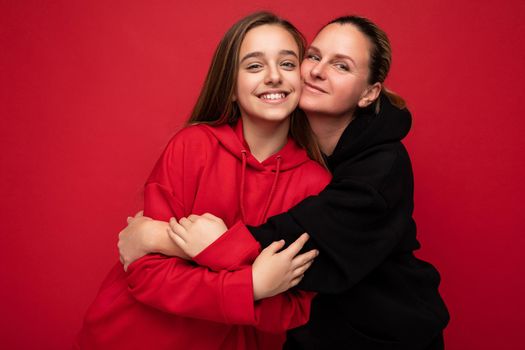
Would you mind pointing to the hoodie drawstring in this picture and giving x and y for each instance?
(243, 173)
(274, 185)
(272, 190)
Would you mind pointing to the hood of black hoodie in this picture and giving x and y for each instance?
(369, 129)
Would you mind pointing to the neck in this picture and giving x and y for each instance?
(265, 138)
(328, 129)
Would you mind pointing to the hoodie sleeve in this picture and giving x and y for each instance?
(172, 184)
(224, 294)
(179, 287)
(172, 284)
(355, 222)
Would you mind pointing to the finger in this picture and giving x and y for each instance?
(139, 214)
(177, 239)
(120, 244)
(185, 222)
(175, 225)
(296, 246)
(274, 247)
(193, 217)
(172, 222)
(211, 216)
(301, 269)
(296, 281)
(304, 258)
(178, 229)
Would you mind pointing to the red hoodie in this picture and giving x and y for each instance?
(171, 303)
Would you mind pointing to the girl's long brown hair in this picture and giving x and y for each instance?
(215, 104)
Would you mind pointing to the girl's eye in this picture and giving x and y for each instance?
(289, 65)
(254, 66)
(313, 57)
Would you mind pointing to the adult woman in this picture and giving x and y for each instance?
(241, 136)
(374, 294)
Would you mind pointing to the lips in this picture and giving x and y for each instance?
(273, 96)
(314, 88)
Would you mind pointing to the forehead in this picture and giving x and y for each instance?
(268, 38)
(343, 39)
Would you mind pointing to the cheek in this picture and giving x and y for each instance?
(306, 68)
(245, 82)
(239, 85)
(345, 90)
(295, 80)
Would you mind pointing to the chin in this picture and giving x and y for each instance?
(309, 106)
(276, 116)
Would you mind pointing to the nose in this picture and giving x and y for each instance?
(273, 76)
(318, 70)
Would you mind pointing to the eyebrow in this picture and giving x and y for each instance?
(336, 55)
(260, 54)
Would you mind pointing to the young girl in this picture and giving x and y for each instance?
(239, 162)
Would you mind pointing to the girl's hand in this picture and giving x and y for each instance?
(275, 272)
(196, 232)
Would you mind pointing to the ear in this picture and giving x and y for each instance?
(234, 97)
(369, 95)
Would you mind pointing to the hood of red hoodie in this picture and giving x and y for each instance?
(291, 156)
(231, 137)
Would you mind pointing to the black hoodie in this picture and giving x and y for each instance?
(374, 294)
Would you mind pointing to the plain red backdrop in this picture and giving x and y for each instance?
(92, 90)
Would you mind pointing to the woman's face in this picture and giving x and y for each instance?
(268, 81)
(335, 71)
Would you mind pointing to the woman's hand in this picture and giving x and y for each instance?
(144, 235)
(196, 232)
(133, 240)
(275, 272)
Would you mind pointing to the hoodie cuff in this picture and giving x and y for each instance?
(237, 297)
(236, 247)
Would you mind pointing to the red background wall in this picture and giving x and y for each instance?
(92, 90)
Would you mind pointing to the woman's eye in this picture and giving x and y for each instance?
(313, 57)
(342, 66)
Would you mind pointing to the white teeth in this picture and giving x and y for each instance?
(273, 96)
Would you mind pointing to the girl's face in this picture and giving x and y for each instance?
(268, 81)
(335, 72)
